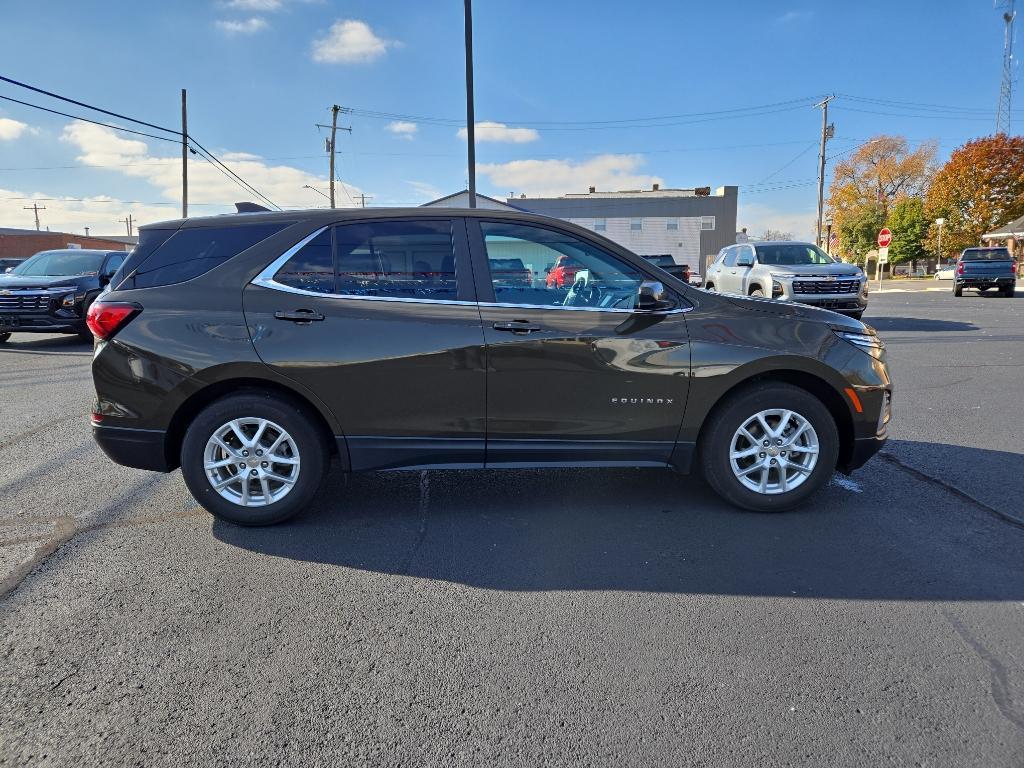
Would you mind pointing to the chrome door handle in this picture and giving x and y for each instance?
(299, 316)
(516, 326)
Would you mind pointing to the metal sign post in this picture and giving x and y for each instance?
(884, 238)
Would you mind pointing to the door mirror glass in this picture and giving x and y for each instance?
(745, 259)
(651, 295)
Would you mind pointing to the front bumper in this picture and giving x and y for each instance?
(41, 324)
(138, 448)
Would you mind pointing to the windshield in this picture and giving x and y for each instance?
(985, 254)
(61, 264)
(792, 255)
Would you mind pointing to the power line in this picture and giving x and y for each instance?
(209, 156)
(88, 106)
(87, 120)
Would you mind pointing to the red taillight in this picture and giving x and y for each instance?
(1013, 267)
(960, 268)
(106, 319)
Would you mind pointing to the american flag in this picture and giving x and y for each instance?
(833, 240)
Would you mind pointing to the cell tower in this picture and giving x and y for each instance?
(1006, 86)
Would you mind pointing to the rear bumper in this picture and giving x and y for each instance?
(139, 448)
(986, 282)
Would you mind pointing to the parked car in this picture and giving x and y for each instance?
(947, 272)
(667, 263)
(985, 268)
(51, 291)
(512, 272)
(217, 353)
(789, 271)
(6, 265)
(563, 273)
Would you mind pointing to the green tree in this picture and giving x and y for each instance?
(858, 231)
(909, 228)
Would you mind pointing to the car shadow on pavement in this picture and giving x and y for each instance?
(918, 324)
(887, 537)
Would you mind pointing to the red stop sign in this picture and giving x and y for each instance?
(884, 238)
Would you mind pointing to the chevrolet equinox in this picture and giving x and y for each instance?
(251, 349)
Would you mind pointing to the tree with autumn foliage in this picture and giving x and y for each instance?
(977, 190)
(867, 184)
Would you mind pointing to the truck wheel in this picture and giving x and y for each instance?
(254, 458)
(757, 293)
(769, 448)
(1009, 291)
(958, 291)
(4, 337)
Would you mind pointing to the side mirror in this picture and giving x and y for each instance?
(651, 296)
(745, 261)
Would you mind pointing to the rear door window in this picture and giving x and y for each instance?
(396, 259)
(189, 253)
(312, 267)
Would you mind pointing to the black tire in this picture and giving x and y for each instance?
(856, 315)
(4, 337)
(757, 293)
(85, 334)
(710, 287)
(1009, 291)
(311, 444)
(958, 291)
(716, 437)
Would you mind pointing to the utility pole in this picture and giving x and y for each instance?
(331, 144)
(470, 119)
(184, 157)
(128, 224)
(362, 198)
(36, 208)
(826, 133)
(1003, 113)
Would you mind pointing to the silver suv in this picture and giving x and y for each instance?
(789, 271)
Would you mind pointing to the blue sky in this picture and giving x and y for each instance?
(552, 75)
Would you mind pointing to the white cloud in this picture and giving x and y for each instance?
(248, 26)
(12, 129)
(402, 129)
(425, 190)
(558, 177)
(350, 41)
(254, 5)
(100, 213)
(758, 217)
(488, 131)
(209, 189)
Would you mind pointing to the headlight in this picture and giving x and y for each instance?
(68, 300)
(783, 275)
(861, 339)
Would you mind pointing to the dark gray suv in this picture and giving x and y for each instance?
(252, 349)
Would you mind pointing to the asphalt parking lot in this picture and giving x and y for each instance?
(588, 617)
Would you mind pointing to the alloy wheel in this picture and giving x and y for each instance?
(774, 451)
(251, 462)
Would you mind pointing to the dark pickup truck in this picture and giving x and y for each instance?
(51, 291)
(984, 268)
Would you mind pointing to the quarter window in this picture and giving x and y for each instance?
(542, 267)
(396, 259)
(312, 268)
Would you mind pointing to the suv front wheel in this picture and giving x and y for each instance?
(253, 459)
(769, 448)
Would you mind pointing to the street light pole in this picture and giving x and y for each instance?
(470, 119)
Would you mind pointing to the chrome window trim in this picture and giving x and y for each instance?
(265, 279)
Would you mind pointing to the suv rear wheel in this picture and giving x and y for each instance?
(253, 459)
(770, 448)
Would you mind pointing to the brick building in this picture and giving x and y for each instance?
(21, 243)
